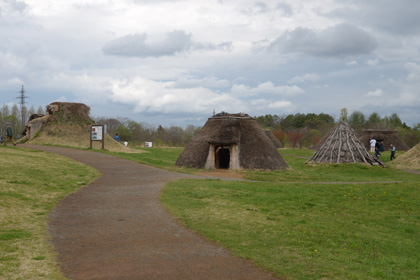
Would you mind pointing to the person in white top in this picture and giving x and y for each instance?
(372, 145)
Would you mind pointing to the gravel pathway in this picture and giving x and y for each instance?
(116, 228)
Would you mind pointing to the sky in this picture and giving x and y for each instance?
(176, 62)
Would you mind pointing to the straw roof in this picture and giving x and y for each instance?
(249, 146)
(273, 139)
(388, 137)
(343, 146)
(408, 160)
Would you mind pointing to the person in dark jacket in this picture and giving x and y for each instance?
(9, 135)
(392, 152)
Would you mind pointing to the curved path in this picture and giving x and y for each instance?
(116, 228)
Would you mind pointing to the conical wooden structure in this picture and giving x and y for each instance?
(343, 146)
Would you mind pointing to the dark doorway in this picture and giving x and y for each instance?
(222, 158)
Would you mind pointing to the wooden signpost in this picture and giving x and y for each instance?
(97, 133)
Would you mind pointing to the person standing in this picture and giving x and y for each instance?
(9, 135)
(377, 153)
(117, 138)
(393, 149)
(372, 145)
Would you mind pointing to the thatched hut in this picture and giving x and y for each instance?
(343, 146)
(273, 139)
(231, 141)
(387, 137)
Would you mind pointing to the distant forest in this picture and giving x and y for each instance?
(293, 130)
(305, 130)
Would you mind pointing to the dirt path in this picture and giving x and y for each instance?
(116, 228)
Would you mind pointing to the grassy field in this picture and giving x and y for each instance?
(302, 230)
(290, 222)
(30, 186)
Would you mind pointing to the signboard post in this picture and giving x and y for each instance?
(97, 133)
(148, 144)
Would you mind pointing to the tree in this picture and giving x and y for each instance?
(18, 125)
(393, 121)
(124, 133)
(14, 124)
(31, 111)
(294, 137)
(40, 110)
(281, 136)
(374, 121)
(357, 121)
(311, 137)
(111, 124)
(343, 115)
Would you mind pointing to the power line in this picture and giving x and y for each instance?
(22, 103)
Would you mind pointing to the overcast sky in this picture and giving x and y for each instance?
(175, 62)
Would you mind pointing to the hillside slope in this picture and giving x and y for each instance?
(69, 125)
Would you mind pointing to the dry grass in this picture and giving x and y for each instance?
(75, 135)
(30, 186)
(409, 160)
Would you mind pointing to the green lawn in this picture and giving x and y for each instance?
(301, 171)
(290, 222)
(31, 184)
(302, 230)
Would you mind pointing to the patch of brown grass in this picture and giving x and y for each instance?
(69, 133)
(408, 160)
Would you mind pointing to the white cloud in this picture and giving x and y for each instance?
(175, 42)
(251, 56)
(414, 72)
(341, 40)
(372, 62)
(162, 97)
(375, 93)
(311, 77)
(266, 88)
(280, 105)
(352, 63)
(207, 82)
(264, 105)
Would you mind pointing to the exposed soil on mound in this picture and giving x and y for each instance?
(69, 124)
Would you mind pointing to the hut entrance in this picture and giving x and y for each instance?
(222, 158)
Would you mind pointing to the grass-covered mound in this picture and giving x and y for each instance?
(409, 160)
(70, 126)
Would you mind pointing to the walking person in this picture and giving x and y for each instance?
(9, 135)
(393, 149)
(377, 153)
(117, 138)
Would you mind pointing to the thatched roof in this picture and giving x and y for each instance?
(388, 137)
(343, 146)
(273, 139)
(253, 148)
